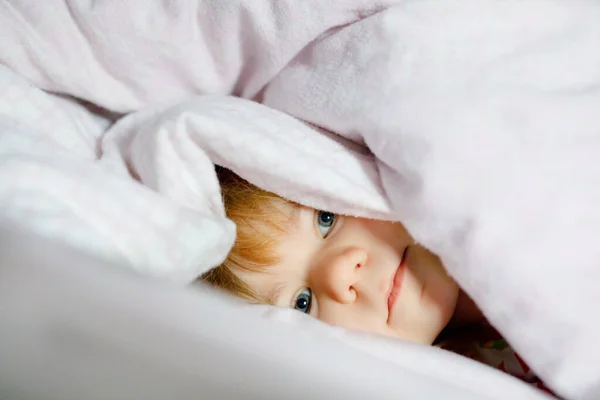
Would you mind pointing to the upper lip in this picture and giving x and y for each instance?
(397, 271)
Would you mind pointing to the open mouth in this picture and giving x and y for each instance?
(396, 283)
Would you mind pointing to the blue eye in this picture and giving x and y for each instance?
(303, 302)
(325, 222)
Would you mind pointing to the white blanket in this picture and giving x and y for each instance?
(481, 116)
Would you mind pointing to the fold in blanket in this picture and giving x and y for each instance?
(125, 56)
(481, 117)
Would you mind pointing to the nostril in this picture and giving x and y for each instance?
(353, 294)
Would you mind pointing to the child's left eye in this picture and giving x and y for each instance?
(303, 302)
(325, 222)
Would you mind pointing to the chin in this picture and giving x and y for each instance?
(447, 307)
(426, 324)
(438, 309)
(439, 321)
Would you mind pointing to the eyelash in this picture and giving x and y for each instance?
(309, 300)
(334, 218)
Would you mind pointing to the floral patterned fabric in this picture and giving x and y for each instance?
(486, 345)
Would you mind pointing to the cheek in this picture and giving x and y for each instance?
(441, 290)
(439, 302)
(388, 233)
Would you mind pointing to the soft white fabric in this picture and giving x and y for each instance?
(74, 327)
(125, 55)
(50, 181)
(481, 115)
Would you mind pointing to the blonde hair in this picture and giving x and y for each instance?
(261, 218)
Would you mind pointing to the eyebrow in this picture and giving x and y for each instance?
(295, 216)
(274, 294)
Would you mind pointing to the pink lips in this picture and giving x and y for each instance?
(396, 284)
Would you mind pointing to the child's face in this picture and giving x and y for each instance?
(360, 274)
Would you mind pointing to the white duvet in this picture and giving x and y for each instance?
(473, 122)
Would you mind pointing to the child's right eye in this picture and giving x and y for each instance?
(303, 302)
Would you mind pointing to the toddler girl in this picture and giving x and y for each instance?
(357, 273)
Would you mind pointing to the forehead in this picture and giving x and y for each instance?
(261, 225)
(292, 251)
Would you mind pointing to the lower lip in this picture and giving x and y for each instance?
(397, 284)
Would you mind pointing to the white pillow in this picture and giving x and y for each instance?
(74, 327)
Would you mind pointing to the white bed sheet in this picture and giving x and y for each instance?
(489, 159)
(75, 327)
(79, 326)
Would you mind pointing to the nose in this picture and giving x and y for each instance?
(337, 276)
